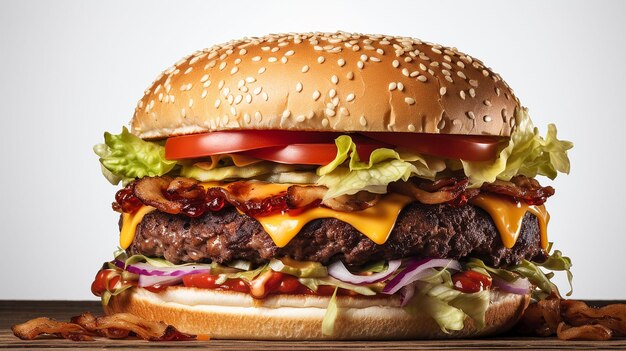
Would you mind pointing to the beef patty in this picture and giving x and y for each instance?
(434, 231)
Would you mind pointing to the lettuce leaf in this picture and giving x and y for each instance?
(526, 153)
(384, 166)
(235, 172)
(332, 311)
(125, 157)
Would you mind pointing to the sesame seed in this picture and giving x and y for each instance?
(230, 99)
(411, 128)
(256, 58)
(471, 115)
(188, 70)
(487, 118)
(487, 103)
(243, 52)
(334, 79)
(321, 59)
(473, 83)
(289, 53)
(408, 59)
(248, 98)
(374, 59)
(220, 85)
(305, 68)
(446, 65)
(400, 86)
(246, 118)
(423, 67)
(462, 94)
(261, 70)
(329, 112)
(257, 90)
(234, 70)
(286, 113)
(217, 103)
(350, 97)
(395, 63)
(300, 118)
(422, 79)
(449, 79)
(341, 62)
(380, 51)
(183, 112)
(190, 103)
(485, 73)
(409, 100)
(332, 93)
(405, 72)
(238, 99)
(233, 111)
(360, 64)
(299, 87)
(355, 48)
(363, 121)
(350, 75)
(392, 86)
(204, 93)
(258, 116)
(503, 112)
(344, 111)
(317, 48)
(241, 83)
(275, 49)
(316, 95)
(250, 79)
(283, 59)
(436, 50)
(461, 74)
(414, 74)
(442, 91)
(310, 115)
(272, 59)
(237, 61)
(363, 58)
(222, 66)
(325, 122)
(472, 92)
(265, 96)
(204, 78)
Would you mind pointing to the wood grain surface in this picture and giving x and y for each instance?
(12, 312)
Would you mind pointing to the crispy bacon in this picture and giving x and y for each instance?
(188, 197)
(571, 319)
(521, 188)
(430, 193)
(300, 196)
(86, 326)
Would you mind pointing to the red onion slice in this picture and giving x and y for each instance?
(149, 270)
(406, 294)
(416, 270)
(339, 271)
(521, 286)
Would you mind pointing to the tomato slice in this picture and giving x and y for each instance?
(310, 154)
(464, 147)
(226, 142)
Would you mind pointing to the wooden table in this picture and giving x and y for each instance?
(12, 312)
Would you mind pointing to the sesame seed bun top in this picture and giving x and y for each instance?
(327, 82)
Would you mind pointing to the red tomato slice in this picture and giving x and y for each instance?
(309, 154)
(225, 142)
(464, 147)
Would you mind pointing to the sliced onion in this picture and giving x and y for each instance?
(521, 286)
(339, 271)
(406, 294)
(416, 270)
(146, 269)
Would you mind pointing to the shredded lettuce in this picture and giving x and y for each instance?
(530, 270)
(125, 157)
(313, 283)
(332, 311)
(526, 153)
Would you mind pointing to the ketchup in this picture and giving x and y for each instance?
(471, 281)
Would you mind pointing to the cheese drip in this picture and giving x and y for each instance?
(375, 222)
(129, 225)
(508, 217)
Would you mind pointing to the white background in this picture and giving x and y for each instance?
(70, 70)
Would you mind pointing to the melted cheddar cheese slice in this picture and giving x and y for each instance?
(375, 222)
(508, 217)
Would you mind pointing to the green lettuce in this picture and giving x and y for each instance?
(384, 166)
(526, 153)
(125, 157)
(332, 311)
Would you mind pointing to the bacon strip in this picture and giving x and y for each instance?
(431, 193)
(520, 188)
(85, 326)
(299, 196)
(571, 319)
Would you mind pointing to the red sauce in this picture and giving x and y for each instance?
(277, 283)
(471, 281)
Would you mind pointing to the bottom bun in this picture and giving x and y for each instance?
(234, 315)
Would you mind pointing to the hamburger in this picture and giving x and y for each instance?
(331, 186)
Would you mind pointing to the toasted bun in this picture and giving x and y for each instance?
(327, 82)
(232, 315)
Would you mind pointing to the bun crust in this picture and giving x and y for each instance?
(232, 315)
(327, 82)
